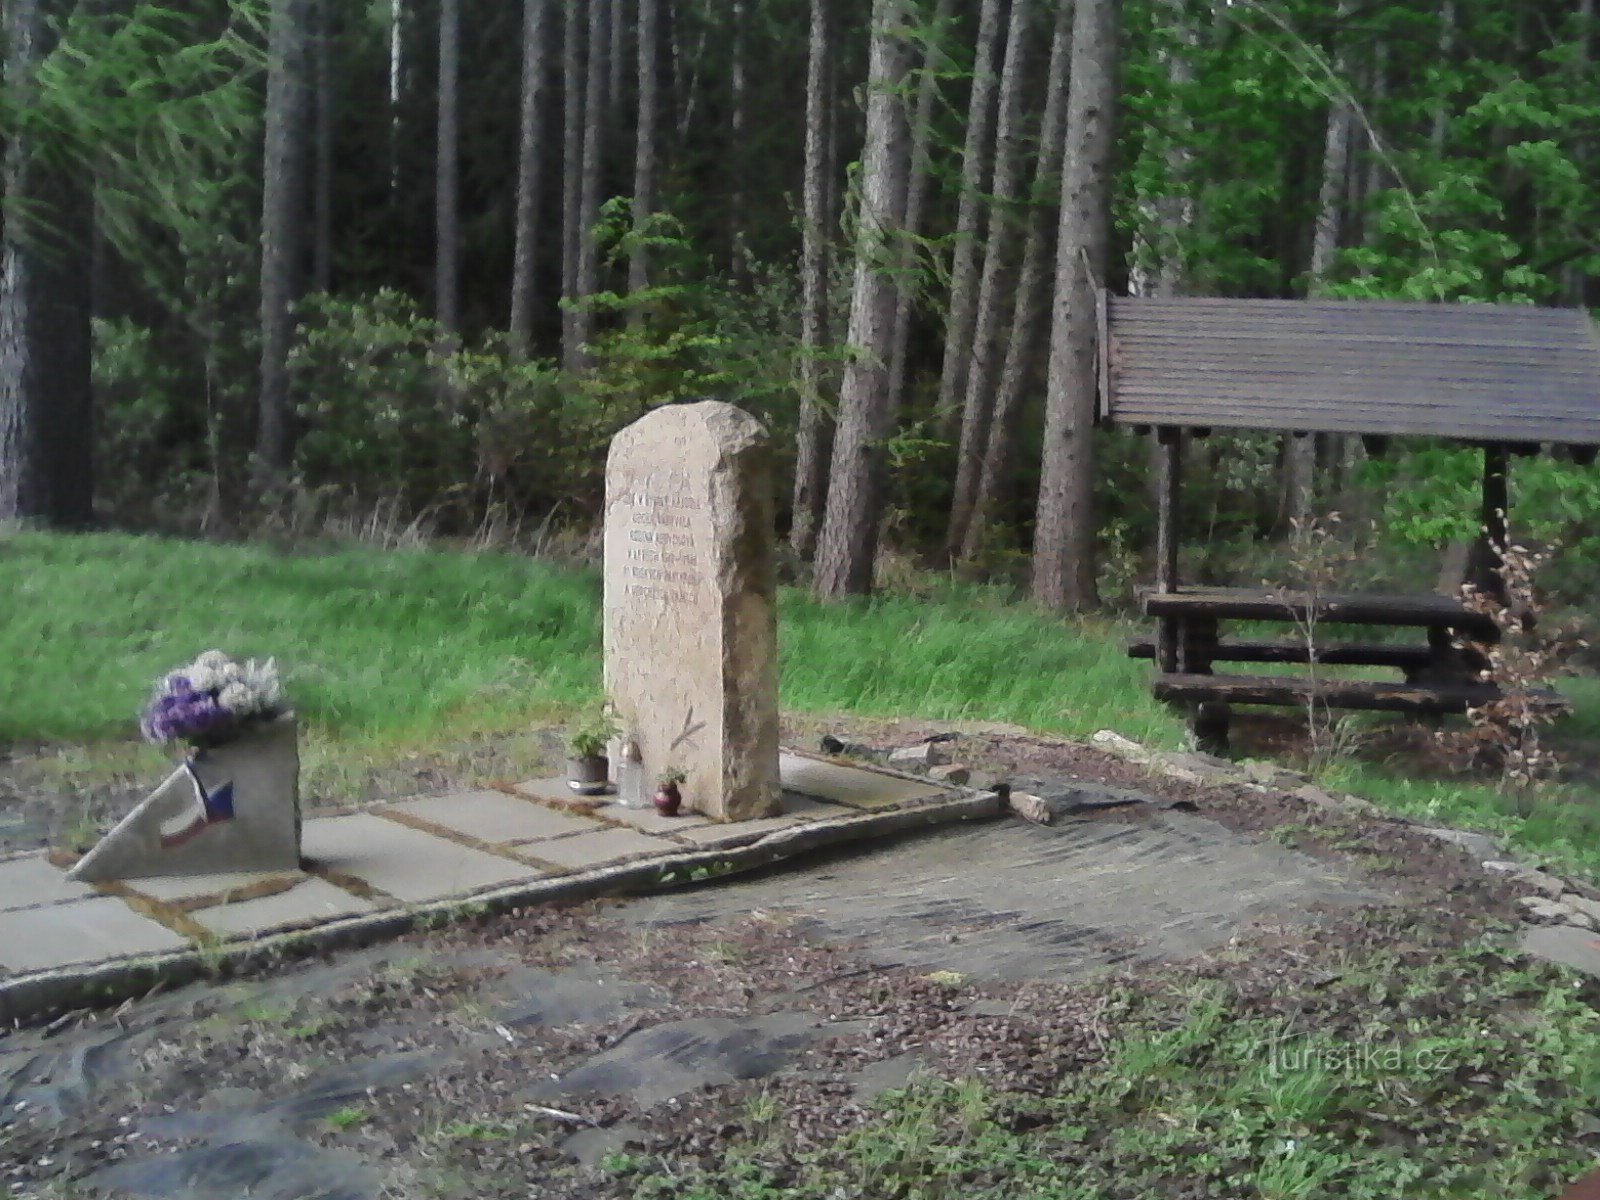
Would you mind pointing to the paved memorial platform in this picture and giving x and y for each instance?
(373, 872)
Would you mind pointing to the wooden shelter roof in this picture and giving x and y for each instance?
(1490, 373)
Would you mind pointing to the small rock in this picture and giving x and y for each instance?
(1113, 742)
(952, 773)
(1030, 807)
(1550, 912)
(923, 754)
(1546, 885)
(1582, 904)
(1479, 844)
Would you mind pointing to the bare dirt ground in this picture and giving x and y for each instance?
(525, 1054)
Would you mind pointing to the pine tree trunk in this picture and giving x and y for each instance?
(616, 55)
(572, 117)
(644, 154)
(917, 189)
(738, 34)
(1032, 293)
(530, 139)
(594, 132)
(1301, 453)
(964, 261)
(1447, 46)
(978, 407)
(46, 400)
(848, 542)
(322, 191)
(396, 62)
(811, 447)
(1063, 552)
(1575, 281)
(283, 172)
(447, 226)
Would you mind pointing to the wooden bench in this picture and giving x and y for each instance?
(1370, 654)
(1368, 694)
(1440, 677)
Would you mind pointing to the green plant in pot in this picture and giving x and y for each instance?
(588, 768)
(668, 797)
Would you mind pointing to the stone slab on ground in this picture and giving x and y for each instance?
(30, 881)
(595, 849)
(1564, 944)
(853, 786)
(405, 863)
(558, 792)
(311, 901)
(1011, 900)
(493, 816)
(737, 832)
(172, 888)
(648, 820)
(79, 931)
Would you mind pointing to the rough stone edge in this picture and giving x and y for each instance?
(33, 996)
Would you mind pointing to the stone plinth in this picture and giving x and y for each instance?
(232, 808)
(690, 612)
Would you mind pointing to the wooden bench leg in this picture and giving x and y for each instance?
(1210, 725)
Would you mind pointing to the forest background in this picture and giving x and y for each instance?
(404, 266)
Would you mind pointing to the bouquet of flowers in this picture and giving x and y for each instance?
(212, 699)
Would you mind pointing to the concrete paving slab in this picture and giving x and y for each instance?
(188, 887)
(796, 805)
(648, 820)
(311, 902)
(736, 832)
(57, 935)
(596, 849)
(406, 863)
(855, 786)
(31, 881)
(494, 816)
(556, 791)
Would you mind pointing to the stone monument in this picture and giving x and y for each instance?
(690, 604)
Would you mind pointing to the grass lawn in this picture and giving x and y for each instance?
(386, 652)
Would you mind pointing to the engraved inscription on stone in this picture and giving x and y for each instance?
(690, 620)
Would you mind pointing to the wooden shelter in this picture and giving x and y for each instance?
(1511, 379)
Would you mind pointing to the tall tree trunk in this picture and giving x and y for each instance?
(616, 55)
(322, 191)
(811, 449)
(848, 542)
(1301, 453)
(283, 172)
(917, 189)
(530, 139)
(644, 153)
(1063, 551)
(1575, 281)
(1447, 46)
(594, 132)
(397, 13)
(447, 152)
(46, 401)
(572, 119)
(979, 404)
(738, 34)
(964, 261)
(1032, 292)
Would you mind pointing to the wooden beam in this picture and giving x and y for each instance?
(1167, 532)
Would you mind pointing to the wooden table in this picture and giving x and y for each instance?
(1440, 676)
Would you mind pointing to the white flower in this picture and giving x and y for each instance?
(213, 660)
(239, 700)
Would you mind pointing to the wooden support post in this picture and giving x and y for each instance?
(1167, 541)
(1496, 497)
(1167, 510)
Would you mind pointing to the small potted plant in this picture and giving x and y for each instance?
(588, 768)
(668, 798)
